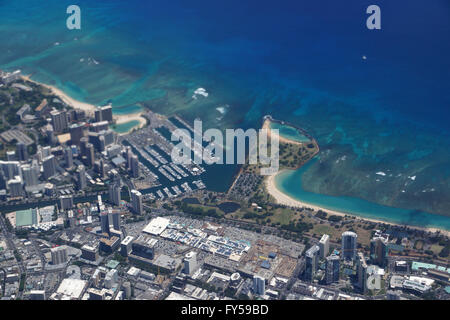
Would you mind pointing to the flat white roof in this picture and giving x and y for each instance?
(156, 226)
(72, 288)
(88, 248)
(127, 240)
(133, 271)
(177, 296)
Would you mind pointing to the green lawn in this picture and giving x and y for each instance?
(283, 216)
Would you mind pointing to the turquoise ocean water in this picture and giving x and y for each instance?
(289, 132)
(125, 127)
(290, 183)
(381, 122)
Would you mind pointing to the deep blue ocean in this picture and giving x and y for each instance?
(381, 122)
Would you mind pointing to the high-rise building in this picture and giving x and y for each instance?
(83, 142)
(50, 133)
(15, 187)
(44, 152)
(107, 114)
(126, 246)
(98, 115)
(348, 247)
(59, 120)
(128, 155)
(190, 262)
(97, 140)
(324, 245)
(115, 233)
(103, 168)
(144, 247)
(35, 166)
(362, 272)
(104, 221)
(2, 180)
(59, 255)
(11, 155)
(134, 166)
(66, 202)
(102, 139)
(100, 168)
(114, 193)
(379, 251)
(81, 177)
(68, 157)
(136, 202)
(99, 126)
(259, 285)
(103, 114)
(90, 154)
(77, 131)
(21, 151)
(80, 115)
(89, 253)
(10, 169)
(311, 262)
(332, 269)
(49, 189)
(109, 245)
(126, 286)
(111, 278)
(115, 219)
(30, 175)
(49, 165)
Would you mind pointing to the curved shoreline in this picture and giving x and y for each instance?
(89, 108)
(266, 125)
(120, 119)
(284, 199)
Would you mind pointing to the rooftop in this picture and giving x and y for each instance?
(156, 226)
(422, 265)
(71, 288)
(26, 217)
(112, 264)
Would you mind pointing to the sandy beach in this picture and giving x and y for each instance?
(119, 119)
(266, 125)
(88, 108)
(282, 198)
(286, 200)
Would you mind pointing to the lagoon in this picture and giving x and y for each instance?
(290, 183)
(289, 132)
(125, 127)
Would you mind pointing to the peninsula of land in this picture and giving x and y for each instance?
(281, 198)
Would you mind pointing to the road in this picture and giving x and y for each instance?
(9, 240)
(4, 281)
